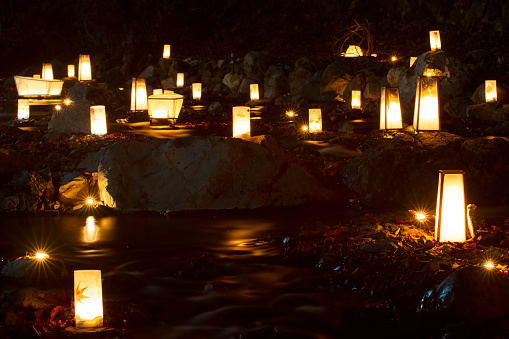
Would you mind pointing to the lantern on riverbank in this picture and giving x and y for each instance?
(70, 71)
(180, 79)
(47, 71)
(315, 120)
(165, 106)
(390, 109)
(254, 92)
(426, 111)
(353, 51)
(23, 109)
(490, 90)
(196, 90)
(241, 122)
(166, 52)
(138, 94)
(451, 212)
(84, 68)
(412, 60)
(98, 125)
(356, 99)
(88, 298)
(434, 39)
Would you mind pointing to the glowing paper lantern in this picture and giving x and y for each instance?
(490, 90)
(165, 106)
(29, 87)
(47, 71)
(241, 122)
(356, 99)
(84, 68)
(138, 94)
(180, 79)
(315, 120)
(255, 93)
(88, 298)
(157, 91)
(353, 51)
(390, 109)
(412, 60)
(23, 109)
(98, 120)
(426, 113)
(70, 71)
(166, 52)
(451, 214)
(434, 39)
(196, 91)
(37, 76)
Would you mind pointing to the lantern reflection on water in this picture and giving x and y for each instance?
(90, 229)
(88, 301)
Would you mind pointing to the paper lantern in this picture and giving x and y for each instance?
(98, 120)
(166, 52)
(451, 222)
(254, 92)
(165, 106)
(70, 71)
(84, 68)
(356, 99)
(315, 120)
(37, 76)
(412, 60)
(157, 91)
(426, 111)
(434, 39)
(390, 109)
(23, 109)
(30, 87)
(490, 90)
(88, 298)
(138, 94)
(167, 91)
(47, 71)
(196, 91)
(353, 51)
(180, 79)
(241, 122)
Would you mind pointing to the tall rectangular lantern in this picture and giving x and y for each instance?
(70, 71)
(434, 39)
(451, 222)
(47, 71)
(315, 120)
(490, 90)
(390, 109)
(88, 298)
(241, 122)
(166, 52)
(23, 109)
(84, 68)
(426, 111)
(138, 94)
(98, 126)
(356, 99)
(180, 79)
(254, 92)
(196, 90)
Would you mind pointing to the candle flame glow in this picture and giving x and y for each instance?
(489, 265)
(41, 256)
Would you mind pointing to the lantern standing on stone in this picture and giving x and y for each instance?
(166, 52)
(138, 94)
(434, 39)
(390, 109)
(241, 122)
(98, 125)
(490, 90)
(412, 60)
(315, 120)
(165, 106)
(84, 68)
(254, 92)
(356, 99)
(157, 91)
(88, 298)
(23, 109)
(180, 79)
(353, 51)
(70, 71)
(196, 90)
(426, 112)
(47, 71)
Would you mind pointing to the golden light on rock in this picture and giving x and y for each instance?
(165, 106)
(58, 107)
(166, 52)
(180, 79)
(420, 216)
(434, 39)
(138, 94)
(490, 90)
(254, 92)
(356, 99)
(47, 71)
(98, 126)
(241, 122)
(426, 111)
(23, 109)
(88, 299)
(196, 90)
(352, 51)
(390, 109)
(315, 120)
(84, 68)
(71, 71)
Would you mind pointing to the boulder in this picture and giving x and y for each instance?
(74, 188)
(275, 83)
(10, 162)
(373, 88)
(233, 81)
(245, 85)
(479, 96)
(335, 78)
(255, 64)
(28, 268)
(298, 78)
(483, 111)
(311, 89)
(357, 83)
(74, 118)
(147, 73)
(198, 173)
(215, 108)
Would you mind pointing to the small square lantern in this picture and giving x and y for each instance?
(390, 109)
(412, 60)
(241, 122)
(138, 94)
(356, 99)
(157, 91)
(98, 125)
(165, 106)
(434, 39)
(70, 71)
(47, 71)
(196, 90)
(88, 298)
(451, 220)
(84, 68)
(180, 79)
(166, 52)
(426, 111)
(490, 90)
(353, 51)
(37, 76)
(23, 109)
(254, 92)
(315, 120)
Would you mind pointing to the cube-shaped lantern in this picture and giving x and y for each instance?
(356, 99)
(180, 79)
(47, 71)
(315, 120)
(70, 71)
(138, 94)
(88, 298)
(451, 222)
(241, 122)
(490, 90)
(196, 91)
(353, 51)
(412, 60)
(390, 109)
(84, 68)
(23, 109)
(434, 40)
(98, 125)
(166, 52)
(254, 92)
(165, 106)
(426, 112)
